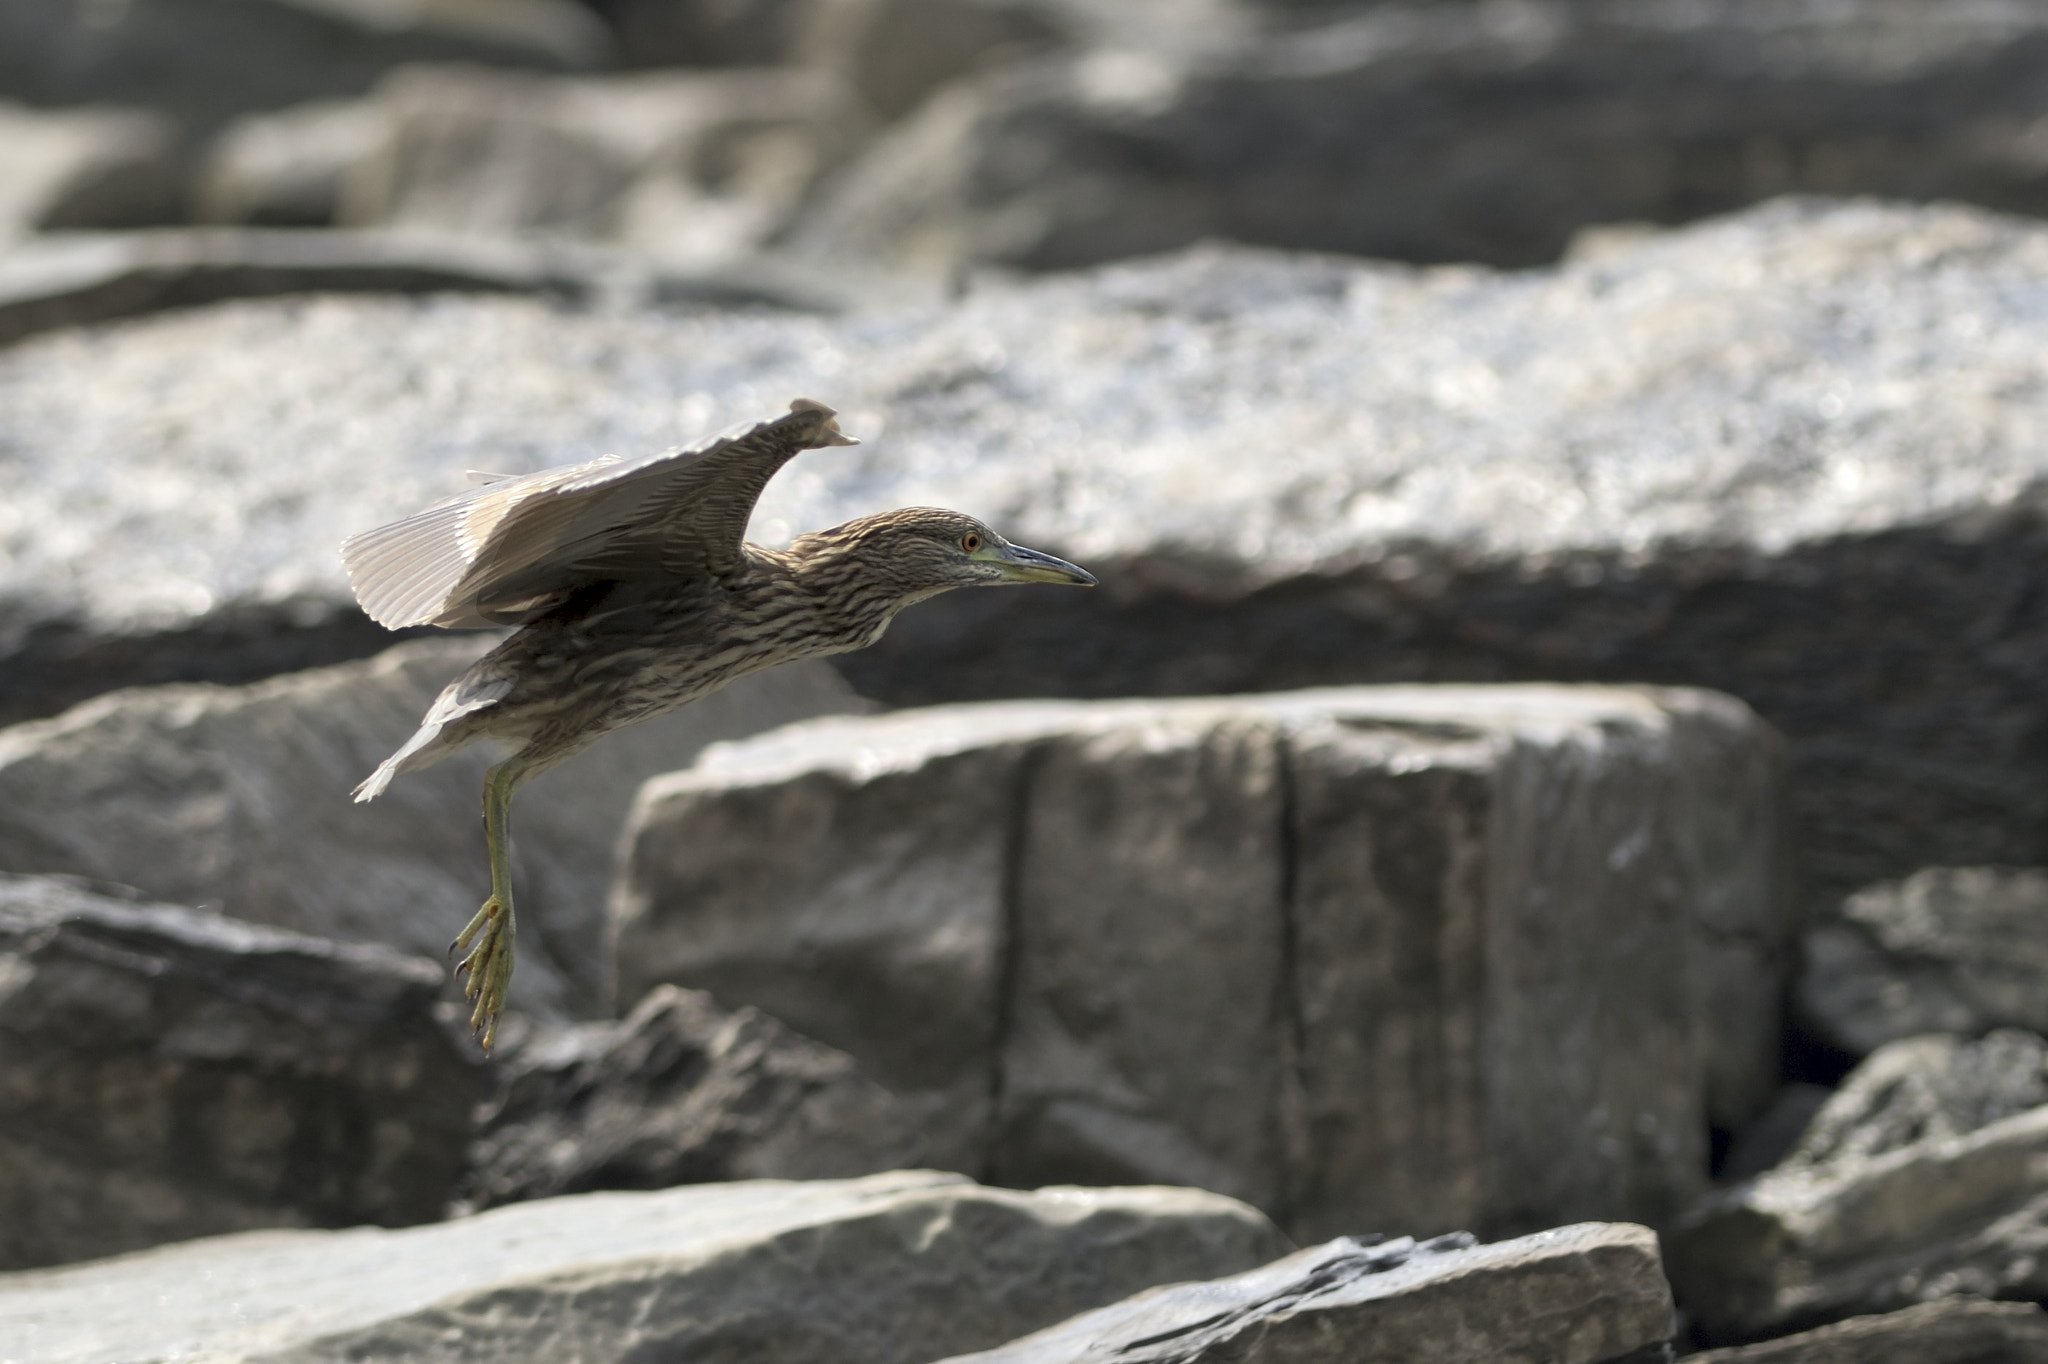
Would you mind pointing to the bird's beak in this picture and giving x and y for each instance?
(1021, 565)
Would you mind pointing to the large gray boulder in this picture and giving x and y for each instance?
(75, 168)
(1926, 1175)
(204, 61)
(166, 1074)
(1950, 1331)
(679, 1091)
(1452, 131)
(1948, 949)
(1583, 1294)
(1413, 958)
(891, 1269)
(1774, 455)
(238, 798)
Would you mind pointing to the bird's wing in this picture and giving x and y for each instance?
(500, 553)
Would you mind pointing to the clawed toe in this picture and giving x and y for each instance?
(486, 969)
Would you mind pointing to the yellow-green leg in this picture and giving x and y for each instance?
(488, 963)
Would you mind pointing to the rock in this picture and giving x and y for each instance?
(1950, 1331)
(238, 797)
(1923, 1089)
(1948, 949)
(706, 32)
(1575, 1295)
(1926, 1175)
(166, 1074)
(284, 168)
(81, 278)
(680, 1092)
(1774, 455)
(84, 168)
(205, 61)
(1492, 132)
(869, 1271)
(896, 52)
(697, 167)
(1301, 948)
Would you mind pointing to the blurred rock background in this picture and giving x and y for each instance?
(1561, 740)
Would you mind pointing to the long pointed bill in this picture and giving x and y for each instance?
(1021, 565)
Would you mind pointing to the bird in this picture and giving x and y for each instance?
(634, 591)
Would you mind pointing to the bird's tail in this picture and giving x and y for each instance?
(373, 785)
(421, 750)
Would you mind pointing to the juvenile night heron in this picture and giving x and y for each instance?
(635, 593)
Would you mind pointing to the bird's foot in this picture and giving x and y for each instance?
(487, 965)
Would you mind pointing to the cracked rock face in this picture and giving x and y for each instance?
(1960, 1330)
(884, 1270)
(1788, 455)
(1582, 1294)
(1412, 958)
(1948, 949)
(1924, 1176)
(166, 1074)
(680, 1091)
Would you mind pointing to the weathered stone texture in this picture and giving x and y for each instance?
(1925, 1175)
(679, 1092)
(166, 1074)
(1456, 131)
(239, 798)
(204, 61)
(884, 1270)
(1582, 1294)
(1412, 958)
(1959, 1330)
(1949, 949)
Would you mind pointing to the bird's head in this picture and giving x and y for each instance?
(919, 552)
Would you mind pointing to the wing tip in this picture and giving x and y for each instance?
(828, 426)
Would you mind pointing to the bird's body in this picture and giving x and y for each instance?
(635, 595)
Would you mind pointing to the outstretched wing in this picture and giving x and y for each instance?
(499, 554)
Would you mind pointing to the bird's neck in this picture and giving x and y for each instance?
(851, 600)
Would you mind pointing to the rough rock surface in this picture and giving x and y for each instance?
(1787, 455)
(884, 1270)
(1922, 1089)
(1948, 949)
(76, 168)
(204, 61)
(1950, 1331)
(1461, 131)
(1925, 1176)
(238, 797)
(1304, 948)
(697, 168)
(680, 1092)
(1575, 1295)
(80, 278)
(166, 1074)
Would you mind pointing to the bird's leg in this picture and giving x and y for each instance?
(488, 963)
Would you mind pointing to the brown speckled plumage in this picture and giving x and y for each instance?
(635, 594)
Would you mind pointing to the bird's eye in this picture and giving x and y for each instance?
(971, 541)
